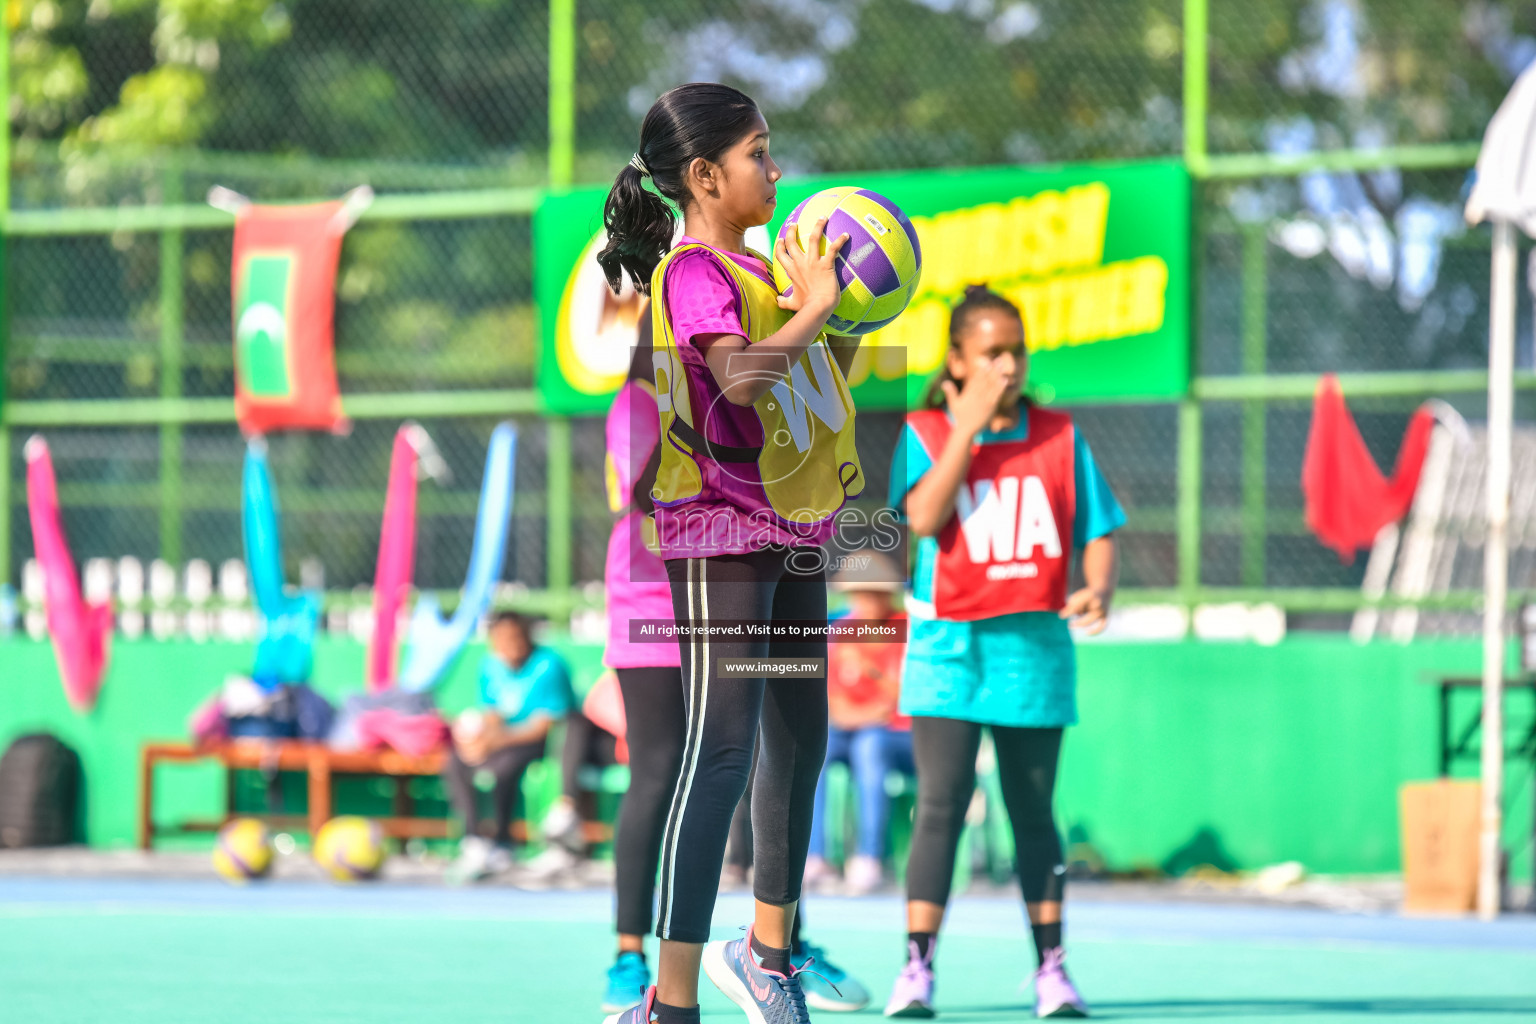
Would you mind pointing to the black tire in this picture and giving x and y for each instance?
(39, 792)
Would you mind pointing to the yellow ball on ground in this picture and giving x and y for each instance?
(350, 848)
(243, 850)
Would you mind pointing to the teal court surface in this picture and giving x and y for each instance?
(155, 951)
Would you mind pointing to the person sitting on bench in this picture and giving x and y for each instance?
(594, 740)
(524, 690)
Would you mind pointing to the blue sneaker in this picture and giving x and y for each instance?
(767, 997)
(640, 1013)
(628, 979)
(828, 987)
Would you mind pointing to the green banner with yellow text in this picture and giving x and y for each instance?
(1096, 257)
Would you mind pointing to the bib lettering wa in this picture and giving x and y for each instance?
(1007, 547)
(806, 467)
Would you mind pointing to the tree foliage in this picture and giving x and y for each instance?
(850, 83)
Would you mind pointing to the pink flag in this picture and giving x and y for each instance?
(397, 558)
(81, 632)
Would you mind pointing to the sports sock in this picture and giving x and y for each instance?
(925, 942)
(1047, 936)
(675, 1014)
(771, 959)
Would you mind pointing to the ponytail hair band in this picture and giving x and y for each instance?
(639, 165)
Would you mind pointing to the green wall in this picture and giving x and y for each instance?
(1188, 753)
(1194, 753)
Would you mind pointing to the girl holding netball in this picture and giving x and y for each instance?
(999, 493)
(651, 689)
(742, 507)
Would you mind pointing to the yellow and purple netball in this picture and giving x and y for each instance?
(878, 267)
(243, 851)
(350, 848)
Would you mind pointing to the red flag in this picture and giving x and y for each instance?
(284, 285)
(1348, 499)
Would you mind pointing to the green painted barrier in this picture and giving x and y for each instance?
(1188, 753)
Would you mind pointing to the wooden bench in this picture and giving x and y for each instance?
(318, 762)
(321, 765)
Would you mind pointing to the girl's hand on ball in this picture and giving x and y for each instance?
(812, 273)
(973, 407)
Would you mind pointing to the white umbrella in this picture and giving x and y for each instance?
(1504, 193)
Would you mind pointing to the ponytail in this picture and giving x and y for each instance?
(978, 298)
(697, 120)
(639, 224)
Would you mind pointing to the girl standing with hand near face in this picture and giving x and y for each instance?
(998, 492)
(744, 497)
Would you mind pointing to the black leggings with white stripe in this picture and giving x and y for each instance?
(725, 715)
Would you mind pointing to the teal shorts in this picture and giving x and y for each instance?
(1016, 670)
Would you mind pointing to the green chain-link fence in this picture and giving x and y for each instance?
(1330, 140)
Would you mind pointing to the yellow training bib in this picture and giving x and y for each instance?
(807, 467)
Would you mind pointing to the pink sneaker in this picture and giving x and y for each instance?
(1055, 995)
(912, 995)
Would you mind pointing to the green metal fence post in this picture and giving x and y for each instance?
(559, 529)
(1189, 474)
(5, 485)
(1254, 330)
(172, 319)
(562, 160)
(1196, 80)
(1196, 84)
(562, 92)
(5, 306)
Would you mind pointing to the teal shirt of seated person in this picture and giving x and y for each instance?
(538, 688)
